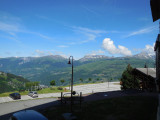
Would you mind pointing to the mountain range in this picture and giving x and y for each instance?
(55, 67)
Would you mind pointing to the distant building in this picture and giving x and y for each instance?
(43, 86)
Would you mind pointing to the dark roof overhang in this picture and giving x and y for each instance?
(155, 8)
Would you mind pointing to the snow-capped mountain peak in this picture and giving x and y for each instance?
(93, 57)
(145, 55)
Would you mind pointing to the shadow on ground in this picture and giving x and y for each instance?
(87, 98)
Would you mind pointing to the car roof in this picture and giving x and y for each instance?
(29, 115)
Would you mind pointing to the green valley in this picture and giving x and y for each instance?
(47, 68)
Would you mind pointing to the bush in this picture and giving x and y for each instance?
(59, 88)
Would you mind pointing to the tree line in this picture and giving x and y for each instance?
(32, 85)
(81, 80)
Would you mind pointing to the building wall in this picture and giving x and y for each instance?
(158, 61)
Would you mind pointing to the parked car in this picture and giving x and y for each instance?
(28, 115)
(15, 96)
(33, 94)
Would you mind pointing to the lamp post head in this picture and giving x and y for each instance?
(145, 66)
(69, 62)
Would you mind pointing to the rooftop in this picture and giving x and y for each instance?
(148, 71)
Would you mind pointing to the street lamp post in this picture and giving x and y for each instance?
(69, 62)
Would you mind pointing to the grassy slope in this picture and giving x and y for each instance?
(123, 108)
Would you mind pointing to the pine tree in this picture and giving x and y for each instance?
(62, 81)
(81, 80)
(89, 79)
(127, 79)
(52, 83)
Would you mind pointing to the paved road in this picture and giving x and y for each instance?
(9, 106)
(26, 97)
(100, 87)
(85, 89)
(7, 109)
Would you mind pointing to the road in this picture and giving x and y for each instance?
(100, 87)
(7, 109)
(9, 106)
(26, 97)
(85, 89)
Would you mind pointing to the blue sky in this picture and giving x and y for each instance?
(76, 27)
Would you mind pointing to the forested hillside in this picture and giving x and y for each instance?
(10, 82)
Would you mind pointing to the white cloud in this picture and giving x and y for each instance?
(40, 53)
(90, 34)
(65, 56)
(90, 37)
(9, 23)
(142, 31)
(63, 46)
(149, 49)
(124, 51)
(87, 30)
(61, 54)
(108, 45)
(15, 40)
(10, 28)
(7, 17)
(137, 49)
(49, 53)
(44, 36)
(72, 43)
(90, 10)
